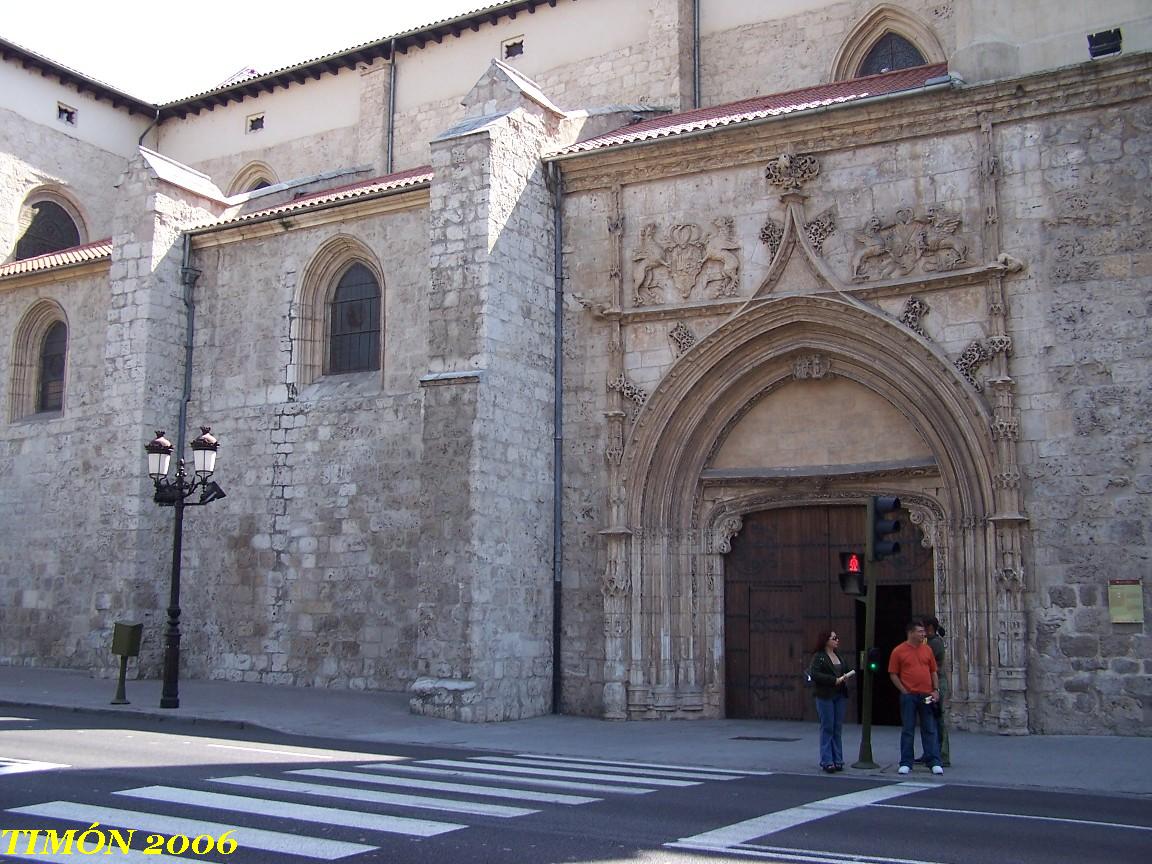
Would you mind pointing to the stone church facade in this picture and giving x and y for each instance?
(558, 381)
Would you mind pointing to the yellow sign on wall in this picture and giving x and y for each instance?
(1126, 601)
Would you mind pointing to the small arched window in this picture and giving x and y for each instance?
(50, 230)
(354, 323)
(39, 362)
(53, 352)
(891, 52)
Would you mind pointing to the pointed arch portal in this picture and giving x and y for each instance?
(680, 507)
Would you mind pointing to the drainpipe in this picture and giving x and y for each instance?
(555, 185)
(188, 277)
(695, 53)
(391, 106)
(149, 128)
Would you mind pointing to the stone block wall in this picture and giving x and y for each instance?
(1076, 194)
(33, 156)
(485, 569)
(305, 573)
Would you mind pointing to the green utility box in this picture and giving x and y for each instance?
(126, 639)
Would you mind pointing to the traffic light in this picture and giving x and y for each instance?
(880, 527)
(852, 574)
(873, 661)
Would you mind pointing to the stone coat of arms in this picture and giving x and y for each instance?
(686, 260)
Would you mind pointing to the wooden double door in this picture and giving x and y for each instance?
(781, 590)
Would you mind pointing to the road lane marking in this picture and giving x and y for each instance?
(782, 820)
(570, 785)
(435, 786)
(246, 838)
(679, 774)
(785, 855)
(372, 796)
(8, 765)
(541, 772)
(293, 811)
(649, 765)
(17, 720)
(1018, 816)
(309, 753)
(133, 856)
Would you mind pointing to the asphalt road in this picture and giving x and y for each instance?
(191, 790)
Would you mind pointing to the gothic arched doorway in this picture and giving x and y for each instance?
(781, 590)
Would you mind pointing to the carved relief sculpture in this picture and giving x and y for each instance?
(790, 172)
(820, 229)
(810, 366)
(928, 243)
(772, 235)
(682, 338)
(974, 356)
(691, 259)
(914, 310)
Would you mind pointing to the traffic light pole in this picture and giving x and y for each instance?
(865, 760)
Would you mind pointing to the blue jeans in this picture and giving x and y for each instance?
(912, 707)
(831, 713)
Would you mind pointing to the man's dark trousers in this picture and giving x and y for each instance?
(912, 707)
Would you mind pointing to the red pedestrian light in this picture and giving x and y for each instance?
(852, 573)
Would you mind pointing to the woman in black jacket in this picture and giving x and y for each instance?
(830, 675)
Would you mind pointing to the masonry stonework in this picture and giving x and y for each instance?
(938, 292)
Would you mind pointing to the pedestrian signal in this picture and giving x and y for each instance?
(873, 660)
(852, 574)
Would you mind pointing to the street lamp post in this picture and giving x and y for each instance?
(175, 493)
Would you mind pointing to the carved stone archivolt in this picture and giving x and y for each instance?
(789, 171)
(686, 261)
(909, 243)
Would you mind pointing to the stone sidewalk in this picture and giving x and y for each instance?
(1118, 765)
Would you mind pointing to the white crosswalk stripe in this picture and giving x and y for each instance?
(600, 763)
(553, 772)
(438, 786)
(23, 766)
(542, 782)
(642, 774)
(289, 810)
(372, 796)
(525, 781)
(246, 838)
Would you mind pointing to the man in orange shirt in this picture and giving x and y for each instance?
(912, 668)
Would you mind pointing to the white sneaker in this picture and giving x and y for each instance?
(936, 769)
(904, 769)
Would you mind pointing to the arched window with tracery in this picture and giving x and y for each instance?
(891, 52)
(50, 229)
(354, 323)
(886, 39)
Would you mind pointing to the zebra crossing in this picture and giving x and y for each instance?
(379, 800)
